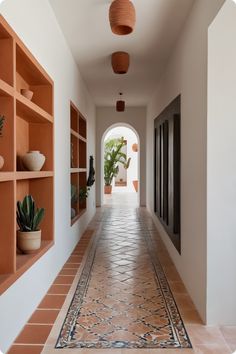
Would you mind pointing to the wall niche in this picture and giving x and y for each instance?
(167, 170)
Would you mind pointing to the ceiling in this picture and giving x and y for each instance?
(86, 28)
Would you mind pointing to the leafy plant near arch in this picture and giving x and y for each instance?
(113, 156)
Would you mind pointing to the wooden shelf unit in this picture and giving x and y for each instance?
(78, 171)
(28, 126)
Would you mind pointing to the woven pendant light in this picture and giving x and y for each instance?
(122, 17)
(120, 105)
(120, 62)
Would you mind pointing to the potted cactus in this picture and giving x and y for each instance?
(2, 119)
(28, 219)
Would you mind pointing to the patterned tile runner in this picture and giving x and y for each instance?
(123, 299)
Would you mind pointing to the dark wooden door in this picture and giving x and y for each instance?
(167, 170)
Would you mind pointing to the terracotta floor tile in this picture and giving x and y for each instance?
(25, 349)
(66, 271)
(200, 335)
(52, 302)
(64, 279)
(59, 289)
(34, 334)
(71, 265)
(44, 316)
(212, 349)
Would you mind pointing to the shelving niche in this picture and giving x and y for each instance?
(78, 161)
(28, 126)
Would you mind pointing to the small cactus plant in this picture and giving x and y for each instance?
(28, 216)
(2, 119)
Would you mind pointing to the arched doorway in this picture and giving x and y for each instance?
(126, 185)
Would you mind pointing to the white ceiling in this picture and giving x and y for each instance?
(85, 25)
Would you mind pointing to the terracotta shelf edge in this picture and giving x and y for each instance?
(8, 279)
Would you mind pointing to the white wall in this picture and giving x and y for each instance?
(186, 74)
(36, 25)
(221, 174)
(135, 117)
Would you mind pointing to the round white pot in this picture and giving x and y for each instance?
(29, 242)
(33, 160)
(1, 162)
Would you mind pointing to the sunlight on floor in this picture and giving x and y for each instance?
(120, 197)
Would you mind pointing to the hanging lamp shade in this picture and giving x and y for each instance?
(122, 17)
(120, 62)
(120, 104)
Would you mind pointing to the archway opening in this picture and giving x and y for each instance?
(120, 170)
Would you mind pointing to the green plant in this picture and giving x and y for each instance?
(113, 156)
(84, 193)
(28, 216)
(2, 119)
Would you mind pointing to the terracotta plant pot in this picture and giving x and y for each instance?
(107, 189)
(29, 242)
(135, 147)
(27, 94)
(135, 183)
(1, 162)
(33, 161)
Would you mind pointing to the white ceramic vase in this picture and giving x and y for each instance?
(33, 160)
(1, 162)
(28, 242)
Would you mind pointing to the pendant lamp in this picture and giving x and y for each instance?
(120, 62)
(122, 17)
(120, 105)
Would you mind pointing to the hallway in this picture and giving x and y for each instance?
(120, 297)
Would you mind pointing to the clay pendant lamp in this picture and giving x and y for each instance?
(122, 17)
(120, 62)
(120, 105)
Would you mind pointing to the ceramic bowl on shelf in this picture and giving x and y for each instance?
(1, 162)
(33, 160)
(27, 93)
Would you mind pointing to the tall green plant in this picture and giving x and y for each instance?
(28, 216)
(113, 156)
(2, 119)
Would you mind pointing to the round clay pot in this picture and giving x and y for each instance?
(28, 242)
(135, 183)
(107, 189)
(1, 162)
(27, 93)
(33, 160)
(135, 147)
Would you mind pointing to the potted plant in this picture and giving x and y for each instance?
(2, 119)
(28, 218)
(113, 156)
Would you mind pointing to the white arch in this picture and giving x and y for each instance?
(121, 124)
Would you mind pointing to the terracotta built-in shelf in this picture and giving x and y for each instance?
(23, 263)
(7, 176)
(73, 132)
(30, 111)
(30, 175)
(5, 89)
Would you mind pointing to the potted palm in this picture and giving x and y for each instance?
(2, 119)
(28, 218)
(113, 156)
